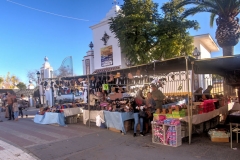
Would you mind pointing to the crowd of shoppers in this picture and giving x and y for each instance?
(13, 107)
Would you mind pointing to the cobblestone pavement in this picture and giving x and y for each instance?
(79, 142)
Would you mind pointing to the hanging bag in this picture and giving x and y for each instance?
(142, 113)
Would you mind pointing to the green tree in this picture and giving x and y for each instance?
(10, 81)
(228, 30)
(144, 35)
(1, 81)
(32, 75)
(174, 40)
(21, 85)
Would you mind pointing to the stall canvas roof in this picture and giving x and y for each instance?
(218, 65)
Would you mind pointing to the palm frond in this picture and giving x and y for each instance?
(212, 17)
(194, 10)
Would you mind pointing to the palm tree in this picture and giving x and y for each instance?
(228, 30)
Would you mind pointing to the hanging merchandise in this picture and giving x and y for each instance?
(105, 87)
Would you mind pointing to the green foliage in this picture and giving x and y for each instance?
(1, 80)
(145, 35)
(223, 8)
(21, 85)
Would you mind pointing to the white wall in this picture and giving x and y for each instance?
(204, 52)
(98, 44)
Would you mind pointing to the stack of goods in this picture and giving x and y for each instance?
(159, 118)
(54, 109)
(118, 105)
(167, 132)
(173, 136)
(179, 113)
(206, 106)
(172, 121)
(158, 134)
(173, 112)
(219, 135)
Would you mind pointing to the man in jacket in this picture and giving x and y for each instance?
(157, 96)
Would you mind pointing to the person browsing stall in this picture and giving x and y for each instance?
(207, 92)
(157, 96)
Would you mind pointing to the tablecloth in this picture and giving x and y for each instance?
(50, 118)
(116, 119)
(93, 115)
(72, 111)
(234, 106)
(199, 118)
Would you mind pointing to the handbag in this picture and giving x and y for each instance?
(142, 114)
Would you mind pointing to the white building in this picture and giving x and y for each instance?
(106, 54)
(46, 91)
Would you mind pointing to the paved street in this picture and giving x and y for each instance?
(24, 140)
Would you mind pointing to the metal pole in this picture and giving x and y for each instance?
(43, 95)
(52, 93)
(192, 86)
(39, 92)
(88, 101)
(188, 106)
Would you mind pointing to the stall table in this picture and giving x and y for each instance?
(50, 118)
(200, 118)
(116, 119)
(72, 111)
(234, 119)
(93, 115)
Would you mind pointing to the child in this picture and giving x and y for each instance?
(15, 109)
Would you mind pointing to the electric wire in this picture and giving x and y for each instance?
(47, 11)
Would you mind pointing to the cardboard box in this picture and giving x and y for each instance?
(128, 125)
(220, 139)
(114, 130)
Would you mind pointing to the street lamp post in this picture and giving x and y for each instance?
(45, 86)
(38, 76)
(196, 53)
(52, 93)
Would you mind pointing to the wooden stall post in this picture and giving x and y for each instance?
(188, 106)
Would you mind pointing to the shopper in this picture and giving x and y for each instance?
(158, 96)
(150, 109)
(22, 105)
(198, 94)
(15, 109)
(207, 92)
(4, 104)
(9, 105)
(137, 119)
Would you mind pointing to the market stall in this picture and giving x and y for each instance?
(173, 78)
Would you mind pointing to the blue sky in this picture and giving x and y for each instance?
(28, 35)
